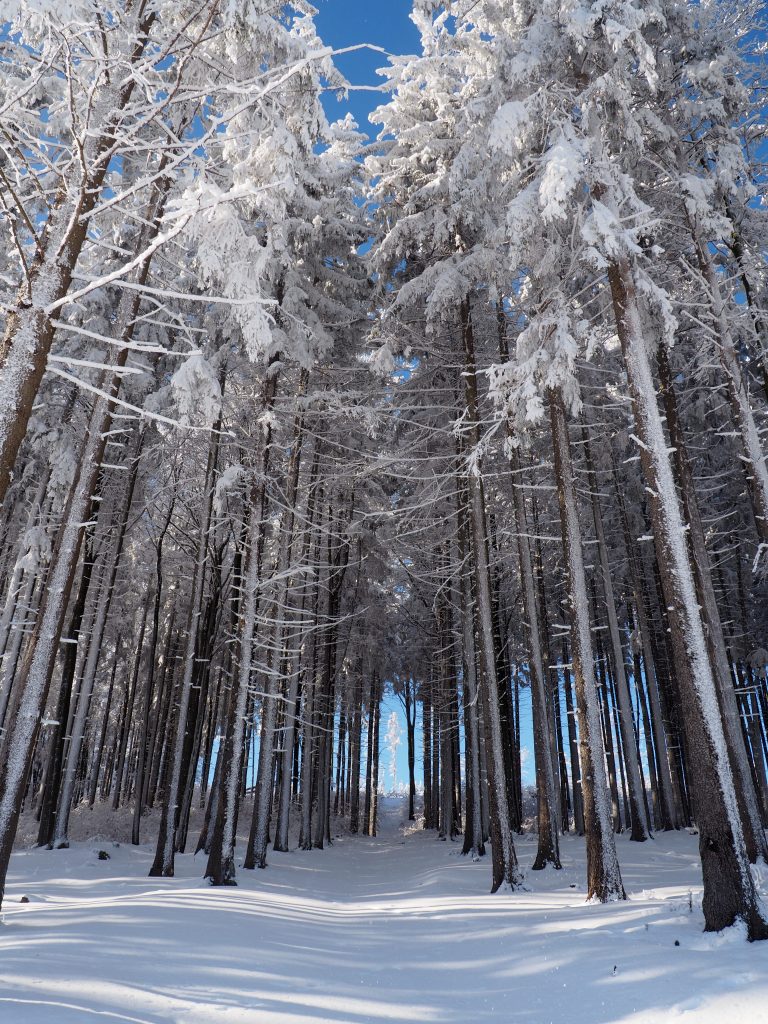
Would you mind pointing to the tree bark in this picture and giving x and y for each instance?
(163, 863)
(548, 851)
(729, 890)
(603, 874)
(638, 822)
(504, 859)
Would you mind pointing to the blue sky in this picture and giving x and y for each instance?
(349, 22)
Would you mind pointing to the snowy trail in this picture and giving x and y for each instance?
(396, 928)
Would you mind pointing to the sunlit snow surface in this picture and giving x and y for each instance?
(397, 928)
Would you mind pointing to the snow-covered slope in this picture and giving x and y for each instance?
(397, 928)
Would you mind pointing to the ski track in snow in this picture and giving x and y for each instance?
(396, 928)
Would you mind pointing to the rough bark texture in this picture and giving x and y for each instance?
(729, 891)
(548, 846)
(603, 874)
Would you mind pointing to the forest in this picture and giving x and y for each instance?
(461, 412)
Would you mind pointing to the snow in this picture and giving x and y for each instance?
(196, 391)
(508, 127)
(563, 170)
(396, 928)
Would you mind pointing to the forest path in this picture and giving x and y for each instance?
(397, 927)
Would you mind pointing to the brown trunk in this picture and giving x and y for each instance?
(603, 875)
(729, 890)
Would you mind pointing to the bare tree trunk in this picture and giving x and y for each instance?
(127, 715)
(220, 869)
(24, 613)
(58, 736)
(354, 768)
(504, 858)
(370, 741)
(309, 545)
(749, 805)
(18, 582)
(426, 733)
(256, 854)
(474, 843)
(149, 687)
(548, 846)
(409, 695)
(573, 745)
(99, 749)
(639, 825)
(30, 691)
(671, 803)
(445, 683)
(729, 890)
(163, 864)
(603, 874)
(376, 712)
(164, 704)
(61, 837)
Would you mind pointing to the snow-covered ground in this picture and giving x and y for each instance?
(397, 928)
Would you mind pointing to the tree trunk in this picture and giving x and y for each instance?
(749, 805)
(149, 687)
(95, 768)
(504, 858)
(58, 737)
(30, 690)
(573, 746)
(426, 738)
(354, 767)
(128, 705)
(61, 836)
(376, 711)
(548, 851)
(163, 864)
(256, 854)
(603, 875)
(729, 890)
(671, 803)
(639, 825)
